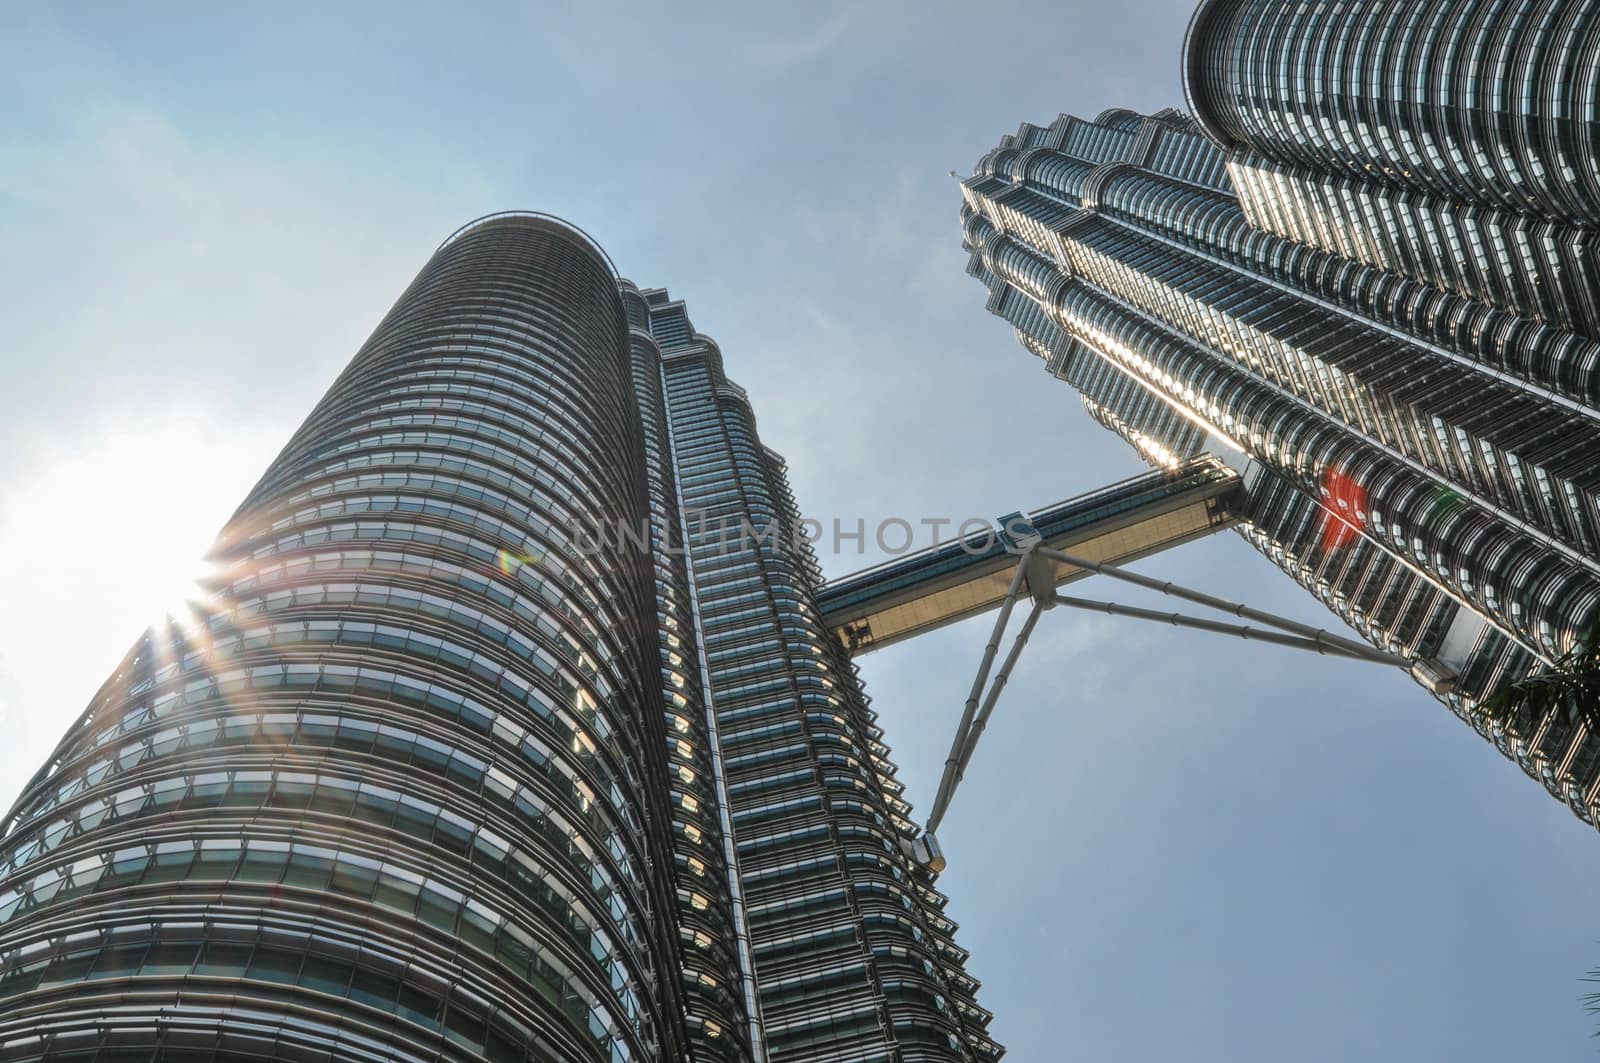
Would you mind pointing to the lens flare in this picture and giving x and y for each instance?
(1344, 509)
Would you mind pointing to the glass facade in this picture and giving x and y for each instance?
(1425, 461)
(1454, 141)
(466, 757)
(400, 795)
(853, 956)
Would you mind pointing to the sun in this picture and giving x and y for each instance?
(110, 539)
(142, 512)
(171, 579)
(102, 537)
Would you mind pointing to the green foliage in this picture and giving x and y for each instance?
(1571, 685)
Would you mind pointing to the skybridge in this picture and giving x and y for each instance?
(966, 576)
(1031, 555)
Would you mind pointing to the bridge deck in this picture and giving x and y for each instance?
(963, 577)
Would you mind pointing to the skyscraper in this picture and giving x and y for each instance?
(1454, 143)
(1416, 422)
(469, 755)
(853, 955)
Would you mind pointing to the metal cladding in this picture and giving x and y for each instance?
(437, 775)
(853, 956)
(1426, 462)
(399, 797)
(1455, 141)
(720, 999)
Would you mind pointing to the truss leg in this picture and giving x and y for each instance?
(981, 721)
(1281, 632)
(1332, 643)
(1253, 634)
(952, 763)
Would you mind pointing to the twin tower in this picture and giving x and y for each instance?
(434, 779)
(426, 778)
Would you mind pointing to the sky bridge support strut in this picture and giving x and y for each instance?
(1036, 578)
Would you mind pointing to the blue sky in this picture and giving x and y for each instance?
(1168, 847)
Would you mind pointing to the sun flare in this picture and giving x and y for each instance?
(105, 542)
